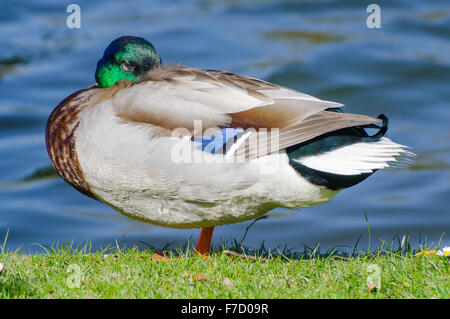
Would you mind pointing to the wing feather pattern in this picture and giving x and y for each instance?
(316, 125)
(176, 96)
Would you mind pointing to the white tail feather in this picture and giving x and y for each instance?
(358, 158)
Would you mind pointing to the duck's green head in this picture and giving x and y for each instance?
(126, 57)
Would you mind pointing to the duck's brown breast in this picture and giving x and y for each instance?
(60, 138)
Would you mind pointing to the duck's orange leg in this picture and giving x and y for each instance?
(204, 242)
(203, 245)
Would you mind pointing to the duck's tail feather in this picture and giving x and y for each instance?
(361, 157)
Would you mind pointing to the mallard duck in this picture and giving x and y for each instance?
(181, 147)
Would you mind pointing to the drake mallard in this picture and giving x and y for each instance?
(174, 146)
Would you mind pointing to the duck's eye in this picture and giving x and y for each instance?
(127, 66)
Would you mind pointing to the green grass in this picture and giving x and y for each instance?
(67, 272)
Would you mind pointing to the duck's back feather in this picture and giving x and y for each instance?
(174, 97)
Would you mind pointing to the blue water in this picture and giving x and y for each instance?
(322, 48)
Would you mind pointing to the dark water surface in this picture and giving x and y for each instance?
(322, 48)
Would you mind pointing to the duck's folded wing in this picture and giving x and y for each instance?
(180, 97)
(177, 97)
(260, 143)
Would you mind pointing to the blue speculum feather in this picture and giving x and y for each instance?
(220, 142)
